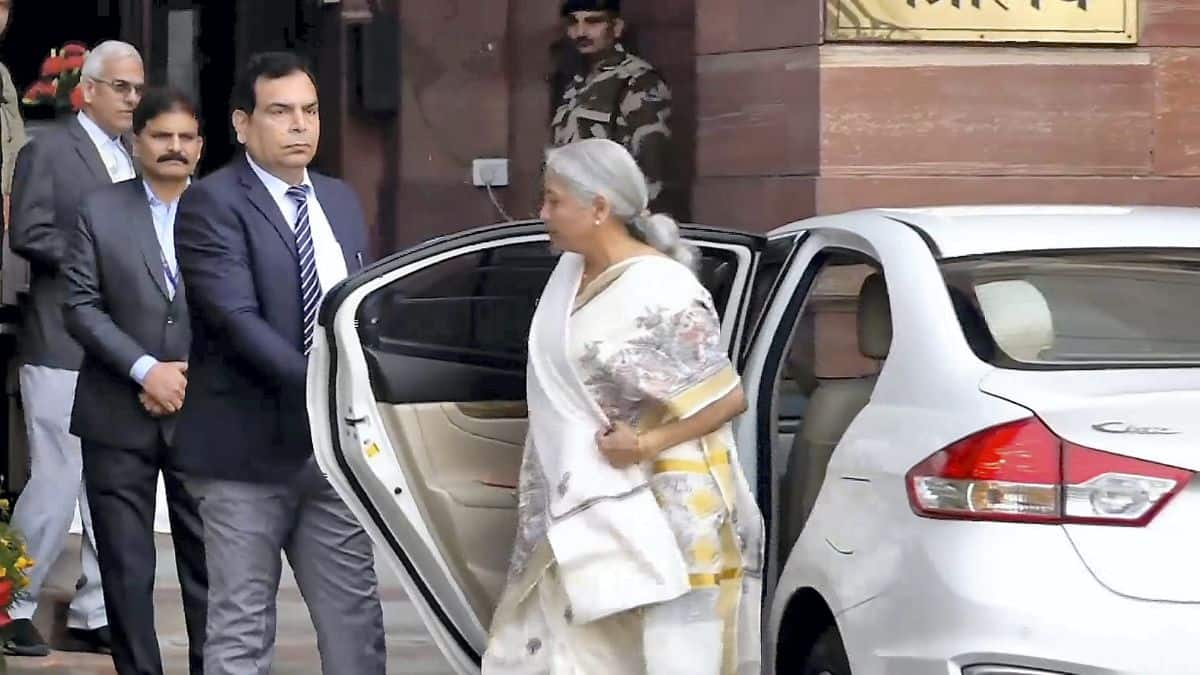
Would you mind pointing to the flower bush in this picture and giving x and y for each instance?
(14, 564)
(58, 82)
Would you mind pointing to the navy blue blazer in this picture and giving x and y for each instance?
(245, 417)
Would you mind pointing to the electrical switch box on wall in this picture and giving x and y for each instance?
(490, 172)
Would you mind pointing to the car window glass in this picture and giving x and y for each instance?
(476, 308)
(825, 339)
(472, 308)
(1084, 309)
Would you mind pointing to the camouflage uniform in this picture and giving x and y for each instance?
(623, 98)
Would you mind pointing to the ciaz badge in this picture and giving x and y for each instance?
(1127, 428)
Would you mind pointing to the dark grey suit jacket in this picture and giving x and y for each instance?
(118, 308)
(54, 173)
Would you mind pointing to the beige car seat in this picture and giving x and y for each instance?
(833, 406)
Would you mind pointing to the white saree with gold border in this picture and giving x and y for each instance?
(654, 569)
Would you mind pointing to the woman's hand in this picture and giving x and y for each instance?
(622, 446)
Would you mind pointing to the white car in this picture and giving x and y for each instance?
(973, 431)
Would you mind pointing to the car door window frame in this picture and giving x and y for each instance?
(364, 420)
(752, 324)
(788, 301)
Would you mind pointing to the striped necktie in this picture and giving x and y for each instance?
(310, 285)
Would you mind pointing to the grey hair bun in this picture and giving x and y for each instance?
(600, 167)
(661, 232)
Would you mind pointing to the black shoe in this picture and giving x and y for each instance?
(25, 640)
(97, 641)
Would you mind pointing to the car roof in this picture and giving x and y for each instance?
(960, 231)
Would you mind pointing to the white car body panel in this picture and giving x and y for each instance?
(1073, 403)
(915, 596)
(1164, 405)
(977, 593)
(959, 231)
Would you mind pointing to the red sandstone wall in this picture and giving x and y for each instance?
(788, 126)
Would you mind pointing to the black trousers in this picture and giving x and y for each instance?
(121, 488)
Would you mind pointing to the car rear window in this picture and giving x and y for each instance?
(1080, 309)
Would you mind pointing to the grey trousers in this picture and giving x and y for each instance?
(246, 525)
(46, 507)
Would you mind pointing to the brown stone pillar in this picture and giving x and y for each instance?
(758, 110)
(791, 126)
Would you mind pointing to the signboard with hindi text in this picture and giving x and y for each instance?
(1081, 21)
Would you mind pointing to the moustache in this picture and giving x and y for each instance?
(583, 42)
(172, 157)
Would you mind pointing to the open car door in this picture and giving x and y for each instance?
(416, 394)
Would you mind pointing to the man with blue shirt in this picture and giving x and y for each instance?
(127, 308)
(53, 174)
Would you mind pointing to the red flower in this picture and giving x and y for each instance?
(72, 49)
(6, 598)
(58, 84)
(53, 66)
(40, 90)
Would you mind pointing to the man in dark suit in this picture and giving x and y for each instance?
(53, 175)
(127, 309)
(259, 242)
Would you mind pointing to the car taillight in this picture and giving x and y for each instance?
(1022, 472)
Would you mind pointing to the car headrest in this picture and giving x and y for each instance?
(874, 319)
(1018, 317)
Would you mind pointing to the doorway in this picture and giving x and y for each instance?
(201, 44)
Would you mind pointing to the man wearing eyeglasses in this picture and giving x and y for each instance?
(53, 175)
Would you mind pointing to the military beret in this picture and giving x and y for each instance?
(570, 6)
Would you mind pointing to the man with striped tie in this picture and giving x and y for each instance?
(258, 244)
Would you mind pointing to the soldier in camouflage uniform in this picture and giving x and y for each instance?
(620, 97)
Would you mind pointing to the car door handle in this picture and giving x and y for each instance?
(495, 410)
(839, 549)
(504, 485)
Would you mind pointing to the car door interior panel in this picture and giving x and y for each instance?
(445, 348)
(465, 478)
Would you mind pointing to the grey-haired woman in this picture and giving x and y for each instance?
(639, 542)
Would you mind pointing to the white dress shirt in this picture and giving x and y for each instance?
(331, 264)
(116, 160)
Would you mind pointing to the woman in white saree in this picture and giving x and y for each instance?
(639, 545)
